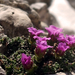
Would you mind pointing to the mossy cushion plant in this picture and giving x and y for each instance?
(37, 55)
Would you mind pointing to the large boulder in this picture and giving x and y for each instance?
(48, 2)
(10, 2)
(29, 1)
(23, 5)
(43, 26)
(31, 13)
(14, 21)
(42, 10)
(2, 71)
(72, 3)
(7, 2)
(2, 35)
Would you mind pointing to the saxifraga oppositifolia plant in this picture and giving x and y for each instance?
(37, 55)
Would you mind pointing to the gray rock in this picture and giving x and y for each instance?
(43, 26)
(23, 6)
(5, 2)
(14, 21)
(46, 1)
(10, 2)
(72, 3)
(32, 14)
(29, 1)
(20, 1)
(1, 29)
(42, 10)
(2, 72)
(2, 32)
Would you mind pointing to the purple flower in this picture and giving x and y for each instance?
(70, 40)
(41, 47)
(26, 61)
(62, 47)
(61, 38)
(41, 39)
(34, 31)
(52, 30)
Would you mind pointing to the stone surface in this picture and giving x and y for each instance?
(43, 25)
(32, 14)
(22, 4)
(2, 72)
(31, 1)
(1, 29)
(72, 3)
(19, 1)
(46, 1)
(7, 2)
(2, 32)
(54, 21)
(24, 1)
(64, 14)
(43, 12)
(14, 21)
(10, 2)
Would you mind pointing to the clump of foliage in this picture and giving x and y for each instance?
(37, 55)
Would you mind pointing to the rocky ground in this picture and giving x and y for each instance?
(17, 15)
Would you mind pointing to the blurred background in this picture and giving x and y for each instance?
(64, 13)
(60, 13)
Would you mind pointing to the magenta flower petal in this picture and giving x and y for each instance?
(26, 61)
(61, 38)
(42, 45)
(70, 40)
(52, 30)
(34, 31)
(62, 47)
(22, 59)
(41, 39)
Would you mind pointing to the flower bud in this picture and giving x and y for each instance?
(26, 61)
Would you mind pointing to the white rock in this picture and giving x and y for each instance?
(2, 72)
(64, 14)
